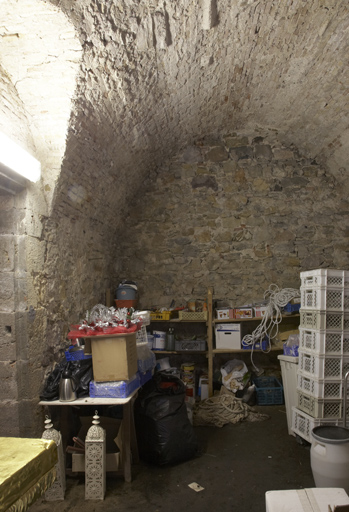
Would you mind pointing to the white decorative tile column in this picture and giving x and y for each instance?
(95, 461)
(57, 490)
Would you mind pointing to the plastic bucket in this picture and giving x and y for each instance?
(126, 292)
(329, 456)
(150, 339)
(159, 342)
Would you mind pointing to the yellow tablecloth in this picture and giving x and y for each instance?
(27, 470)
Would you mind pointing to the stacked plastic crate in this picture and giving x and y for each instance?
(323, 350)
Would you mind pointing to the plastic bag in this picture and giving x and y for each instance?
(82, 374)
(291, 345)
(146, 359)
(164, 432)
(235, 375)
(51, 386)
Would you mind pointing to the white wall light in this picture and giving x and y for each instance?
(18, 159)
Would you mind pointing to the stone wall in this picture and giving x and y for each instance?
(238, 212)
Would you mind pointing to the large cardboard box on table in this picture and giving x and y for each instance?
(114, 357)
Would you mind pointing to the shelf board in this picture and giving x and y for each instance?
(242, 350)
(254, 319)
(179, 351)
(178, 321)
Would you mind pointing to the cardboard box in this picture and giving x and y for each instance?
(114, 357)
(228, 336)
(260, 311)
(113, 428)
(222, 314)
(243, 312)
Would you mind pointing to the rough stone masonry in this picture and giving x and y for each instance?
(183, 144)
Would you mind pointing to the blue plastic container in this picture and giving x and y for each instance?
(292, 308)
(259, 345)
(127, 290)
(77, 355)
(269, 391)
(114, 389)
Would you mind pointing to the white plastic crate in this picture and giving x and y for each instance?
(320, 388)
(320, 407)
(322, 366)
(325, 298)
(324, 342)
(325, 277)
(289, 366)
(323, 320)
(303, 423)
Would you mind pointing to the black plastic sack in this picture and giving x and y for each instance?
(164, 432)
(81, 372)
(51, 386)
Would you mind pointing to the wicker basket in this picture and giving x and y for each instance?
(193, 315)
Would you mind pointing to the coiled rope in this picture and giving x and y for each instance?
(269, 325)
(222, 409)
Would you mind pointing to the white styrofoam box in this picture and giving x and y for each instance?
(323, 320)
(323, 298)
(306, 500)
(324, 342)
(320, 388)
(289, 366)
(323, 366)
(228, 336)
(303, 423)
(325, 277)
(320, 407)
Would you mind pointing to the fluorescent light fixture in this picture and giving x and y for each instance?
(18, 159)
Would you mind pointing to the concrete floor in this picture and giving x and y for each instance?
(238, 464)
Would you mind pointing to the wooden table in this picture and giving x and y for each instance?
(129, 450)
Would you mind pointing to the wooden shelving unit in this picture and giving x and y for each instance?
(210, 323)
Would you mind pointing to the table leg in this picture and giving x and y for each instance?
(126, 441)
(134, 445)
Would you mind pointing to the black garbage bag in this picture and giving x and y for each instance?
(81, 372)
(51, 386)
(164, 432)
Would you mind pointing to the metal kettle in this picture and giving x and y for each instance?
(67, 387)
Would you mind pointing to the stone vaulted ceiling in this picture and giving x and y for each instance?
(156, 75)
